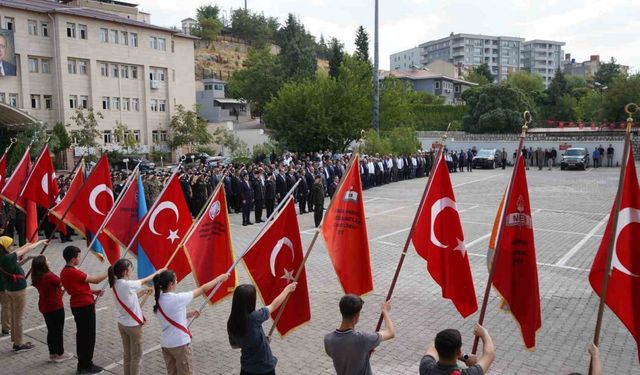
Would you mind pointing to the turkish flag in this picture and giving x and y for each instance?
(516, 273)
(345, 233)
(166, 223)
(122, 224)
(438, 238)
(63, 206)
(623, 292)
(208, 247)
(273, 261)
(12, 192)
(41, 185)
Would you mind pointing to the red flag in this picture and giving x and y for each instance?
(122, 224)
(209, 247)
(516, 273)
(272, 271)
(3, 170)
(61, 207)
(164, 226)
(41, 185)
(345, 233)
(623, 292)
(438, 238)
(14, 184)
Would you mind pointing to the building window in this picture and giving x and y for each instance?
(71, 30)
(106, 103)
(133, 39)
(104, 69)
(114, 70)
(160, 73)
(9, 23)
(154, 105)
(48, 102)
(113, 36)
(106, 136)
(164, 136)
(73, 101)
(44, 26)
(126, 104)
(153, 42)
(46, 66)
(35, 101)
(124, 38)
(173, 46)
(162, 105)
(83, 32)
(82, 67)
(84, 102)
(135, 104)
(2, 97)
(155, 136)
(162, 44)
(71, 66)
(33, 27)
(136, 135)
(437, 85)
(33, 65)
(13, 100)
(116, 103)
(104, 35)
(124, 71)
(218, 87)
(134, 72)
(208, 87)
(457, 88)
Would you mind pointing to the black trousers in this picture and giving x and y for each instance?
(317, 214)
(258, 210)
(309, 203)
(272, 372)
(269, 204)
(246, 213)
(85, 318)
(55, 331)
(302, 200)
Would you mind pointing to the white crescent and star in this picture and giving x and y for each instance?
(284, 241)
(439, 206)
(102, 188)
(627, 216)
(166, 205)
(44, 183)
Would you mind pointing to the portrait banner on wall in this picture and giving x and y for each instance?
(7, 53)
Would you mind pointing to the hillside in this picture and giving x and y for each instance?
(223, 57)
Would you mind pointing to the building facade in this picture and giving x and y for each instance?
(543, 58)
(500, 53)
(406, 60)
(215, 107)
(97, 54)
(448, 88)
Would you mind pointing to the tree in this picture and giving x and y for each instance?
(495, 109)
(591, 106)
(481, 73)
(297, 50)
(87, 127)
(621, 91)
(208, 24)
(557, 88)
(399, 103)
(608, 72)
(322, 50)
(376, 144)
(62, 137)
(124, 137)
(253, 26)
(335, 57)
(188, 129)
(229, 141)
(362, 44)
(530, 84)
(258, 81)
(403, 140)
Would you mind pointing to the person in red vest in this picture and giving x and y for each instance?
(130, 318)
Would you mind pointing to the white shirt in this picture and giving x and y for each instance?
(126, 290)
(1, 69)
(174, 306)
(370, 167)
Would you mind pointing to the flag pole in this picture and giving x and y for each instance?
(237, 261)
(527, 120)
(12, 141)
(630, 108)
(127, 185)
(415, 220)
(13, 204)
(315, 235)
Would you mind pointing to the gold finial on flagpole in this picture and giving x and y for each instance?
(631, 109)
(527, 120)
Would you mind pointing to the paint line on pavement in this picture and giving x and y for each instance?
(478, 240)
(540, 264)
(563, 261)
(119, 363)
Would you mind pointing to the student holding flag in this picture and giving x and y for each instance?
(130, 317)
(171, 311)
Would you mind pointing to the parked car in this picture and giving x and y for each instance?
(485, 158)
(197, 157)
(145, 165)
(218, 161)
(576, 157)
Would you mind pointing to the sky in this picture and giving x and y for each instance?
(588, 27)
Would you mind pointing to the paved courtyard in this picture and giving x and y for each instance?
(569, 210)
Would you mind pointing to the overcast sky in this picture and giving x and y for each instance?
(599, 27)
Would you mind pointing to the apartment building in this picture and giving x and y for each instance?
(99, 54)
(406, 60)
(543, 58)
(500, 53)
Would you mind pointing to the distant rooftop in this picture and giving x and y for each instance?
(418, 74)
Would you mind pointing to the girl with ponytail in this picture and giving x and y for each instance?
(130, 319)
(171, 311)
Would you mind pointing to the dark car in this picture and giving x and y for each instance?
(575, 158)
(132, 161)
(485, 158)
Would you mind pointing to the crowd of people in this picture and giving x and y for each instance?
(254, 187)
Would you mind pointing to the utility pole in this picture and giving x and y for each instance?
(376, 81)
(245, 5)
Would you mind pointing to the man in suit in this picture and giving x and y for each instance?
(6, 68)
(258, 195)
(281, 185)
(246, 198)
(333, 186)
(270, 194)
(309, 179)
